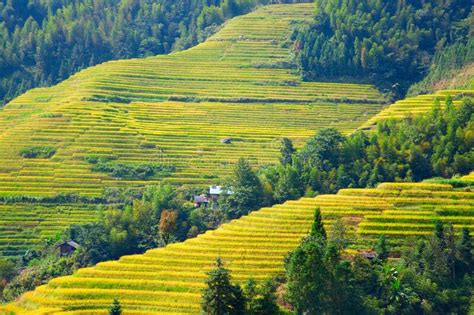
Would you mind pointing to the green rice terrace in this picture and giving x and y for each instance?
(169, 280)
(183, 118)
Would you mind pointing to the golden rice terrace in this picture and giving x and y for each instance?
(169, 280)
(176, 110)
(183, 118)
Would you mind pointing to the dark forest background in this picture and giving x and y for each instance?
(392, 44)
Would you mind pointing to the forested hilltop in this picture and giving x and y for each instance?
(43, 42)
(389, 43)
(393, 44)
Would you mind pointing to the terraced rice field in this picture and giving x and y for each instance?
(418, 105)
(470, 176)
(169, 280)
(176, 109)
(23, 225)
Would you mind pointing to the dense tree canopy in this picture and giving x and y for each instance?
(244, 191)
(433, 278)
(437, 144)
(389, 43)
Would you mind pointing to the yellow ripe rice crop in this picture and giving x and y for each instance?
(170, 279)
(175, 109)
(171, 110)
(417, 105)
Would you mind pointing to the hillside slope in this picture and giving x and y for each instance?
(420, 104)
(175, 109)
(167, 113)
(169, 280)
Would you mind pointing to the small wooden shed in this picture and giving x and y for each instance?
(67, 248)
(201, 201)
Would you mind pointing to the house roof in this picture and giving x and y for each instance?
(215, 190)
(369, 254)
(219, 190)
(71, 243)
(200, 199)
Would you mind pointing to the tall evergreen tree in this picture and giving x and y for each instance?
(244, 191)
(115, 308)
(306, 276)
(286, 152)
(465, 257)
(221, 297)
(317, 229)
(381, 248)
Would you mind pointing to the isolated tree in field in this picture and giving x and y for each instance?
(338, 235)
(221, 297)
(317, 229)
(115, 308)
(286, 152)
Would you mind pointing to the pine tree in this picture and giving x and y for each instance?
(439, 231)
(318, 228)
(260, 300)
(286, 152)
(381, 248)
(436, 257)
(220, 297)
(464, 250)
(115, 308)
(247, 191)
(306, 277)
(338, 235)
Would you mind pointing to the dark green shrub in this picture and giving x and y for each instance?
(37, 152)
(133, 171)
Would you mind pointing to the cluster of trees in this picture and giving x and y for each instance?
(438, 144)
(45, 41)
(36, 267)
(435, 278)
(389, 43)
(222, 297)
(134, 171)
